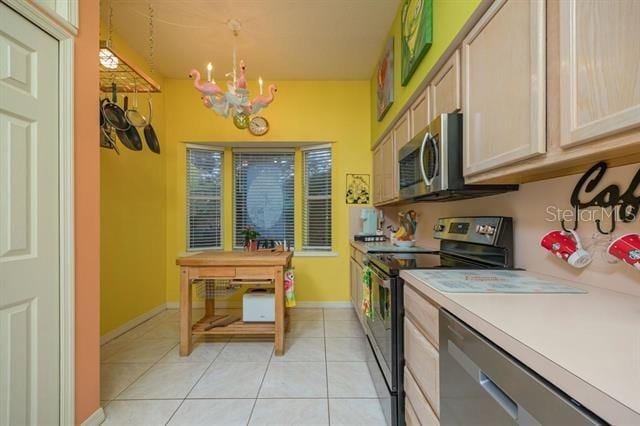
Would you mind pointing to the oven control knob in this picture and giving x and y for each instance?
(490, 230)
(438, 227)
(479, 229)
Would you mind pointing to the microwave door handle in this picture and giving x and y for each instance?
(422, 170)
(437, 154)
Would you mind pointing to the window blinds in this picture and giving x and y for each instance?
(204, 198)
(317, 199)
(264, 195)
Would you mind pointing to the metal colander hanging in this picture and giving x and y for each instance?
(210, 289)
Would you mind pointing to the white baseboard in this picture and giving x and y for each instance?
(236, 305)
(95, 419)
(131, 324)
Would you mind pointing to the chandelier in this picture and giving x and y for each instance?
(235, 101)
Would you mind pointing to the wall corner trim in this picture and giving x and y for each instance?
(134, 322)
(95, 419)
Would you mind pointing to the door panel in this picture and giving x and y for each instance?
(600, 79)
(29, 224)
(504, 98)
(445, 88)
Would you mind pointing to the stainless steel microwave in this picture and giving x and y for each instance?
(430, 165)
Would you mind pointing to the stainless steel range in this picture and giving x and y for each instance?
(465, 243)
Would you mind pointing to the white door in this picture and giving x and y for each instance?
(29, 224)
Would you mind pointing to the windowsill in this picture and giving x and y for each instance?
(318, 253)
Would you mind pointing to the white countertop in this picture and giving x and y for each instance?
(588, 345)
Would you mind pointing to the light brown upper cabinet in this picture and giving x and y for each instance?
(377, 175)
(503, 84)
(419, 114)
(402, 130)
(389, 168)
(444, 89)
(600, 69)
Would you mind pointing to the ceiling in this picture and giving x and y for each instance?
(279, 39)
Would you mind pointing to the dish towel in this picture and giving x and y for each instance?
(289, 294)
(366, 292)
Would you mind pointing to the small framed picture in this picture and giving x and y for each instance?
(358, 189)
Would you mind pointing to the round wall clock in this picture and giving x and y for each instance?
(258, 126)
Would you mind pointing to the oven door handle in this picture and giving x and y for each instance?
(422, 169)
(386, 283)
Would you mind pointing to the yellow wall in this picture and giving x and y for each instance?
(448, 17)
(132, 223)
(322, 111)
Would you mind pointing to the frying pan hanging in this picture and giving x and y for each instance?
(133, 115)
(107, 139)
(129, 137)
(113, 114)
(150, 134)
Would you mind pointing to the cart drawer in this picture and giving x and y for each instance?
(258, 272)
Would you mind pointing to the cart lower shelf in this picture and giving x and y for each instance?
(237, 327)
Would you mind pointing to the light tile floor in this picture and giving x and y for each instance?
(322, 379)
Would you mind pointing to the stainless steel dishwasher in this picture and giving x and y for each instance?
(480, 384)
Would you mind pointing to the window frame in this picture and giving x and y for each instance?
(263, 151)
(188, 198)
(327, 250)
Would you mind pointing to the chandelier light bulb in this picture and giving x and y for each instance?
(209, 70)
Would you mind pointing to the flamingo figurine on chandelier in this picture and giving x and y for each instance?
(235, 99)
(207, 89)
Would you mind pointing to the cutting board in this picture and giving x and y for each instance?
(484, 281)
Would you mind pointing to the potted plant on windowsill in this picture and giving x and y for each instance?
(250, 238)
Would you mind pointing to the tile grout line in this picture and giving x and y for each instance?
(255, 401)
(326, 365)
(153, 364)
(197, 381)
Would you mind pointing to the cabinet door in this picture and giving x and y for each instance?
(402, 130)
(503, 85)
(377, 175)
(600, 69)
(445, 88)
(389, 167)
(419, 113)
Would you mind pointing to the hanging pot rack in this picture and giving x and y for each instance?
(127, 76)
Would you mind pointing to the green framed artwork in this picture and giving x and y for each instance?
(416, 34)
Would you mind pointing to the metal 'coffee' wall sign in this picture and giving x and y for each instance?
(626, 204)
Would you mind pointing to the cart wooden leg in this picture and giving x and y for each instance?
(209, 306)
(287, 320)
(279, 323)
(185, 312)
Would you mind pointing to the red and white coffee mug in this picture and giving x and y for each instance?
(566, 246)
(627, 249)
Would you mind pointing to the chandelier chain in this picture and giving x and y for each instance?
(151, 44)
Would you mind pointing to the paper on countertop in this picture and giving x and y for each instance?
(485, 281)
